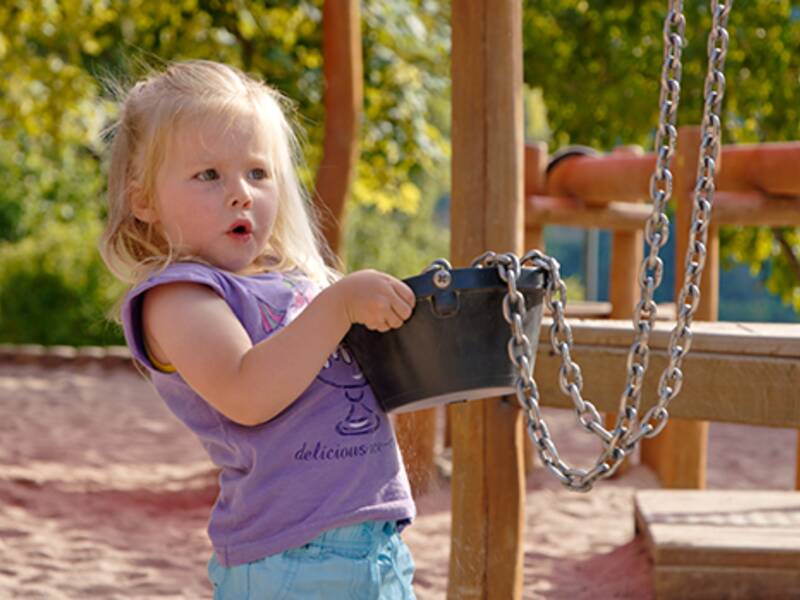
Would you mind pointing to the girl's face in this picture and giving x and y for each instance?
(216, 197)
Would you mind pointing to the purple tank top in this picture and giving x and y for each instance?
(328, 460)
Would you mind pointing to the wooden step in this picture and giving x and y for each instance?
(721, 544)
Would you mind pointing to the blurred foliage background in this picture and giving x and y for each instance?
(592, 68)
(597, 65)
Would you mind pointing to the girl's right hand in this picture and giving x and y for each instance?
(376, 300)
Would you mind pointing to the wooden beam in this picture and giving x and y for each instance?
(765, 168)
(535, 167)
(535, 179)
(573, 212)
(678, 454)
(343, 72)
(488, 482)
(750, 209)
(627, 252)
(797, 464)
(770, 168)
(416, 435)
(777, 340)
(754, 209)
(604, 178)
(736, 372)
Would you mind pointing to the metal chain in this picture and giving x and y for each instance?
(629, 428)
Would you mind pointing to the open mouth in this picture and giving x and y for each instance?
(240, 228)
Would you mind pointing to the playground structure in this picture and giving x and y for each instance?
(502, 197)
(756, 185)
(737, 372)
(745, 373)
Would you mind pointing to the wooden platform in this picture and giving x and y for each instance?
(721, 544)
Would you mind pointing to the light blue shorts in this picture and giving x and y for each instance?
(367, 561)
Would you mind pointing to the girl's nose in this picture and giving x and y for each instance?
(239, 196)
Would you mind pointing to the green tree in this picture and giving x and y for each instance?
(54, 102)
(57, 55)
(598, 65)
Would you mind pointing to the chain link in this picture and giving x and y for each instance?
(629, 429)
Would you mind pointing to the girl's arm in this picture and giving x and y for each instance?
(191, 327)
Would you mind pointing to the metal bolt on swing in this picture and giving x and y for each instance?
(442, 279)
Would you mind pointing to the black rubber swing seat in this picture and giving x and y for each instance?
(454, 347)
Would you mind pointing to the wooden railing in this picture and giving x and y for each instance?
(741, 372)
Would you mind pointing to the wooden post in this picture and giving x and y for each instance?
(488, 482)
(416, 435)
(627, 252)
(797, 465)
(536, 157)
(343, 70)
(448, 421)
(535, 183)
(678, 454)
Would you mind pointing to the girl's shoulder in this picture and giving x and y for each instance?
(131, 310)
(178, 272)
(225, 283)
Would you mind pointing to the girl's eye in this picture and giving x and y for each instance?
(207, 175)
(259, 173)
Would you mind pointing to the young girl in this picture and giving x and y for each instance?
(238, 323)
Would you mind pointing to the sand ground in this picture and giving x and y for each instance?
(103, 494)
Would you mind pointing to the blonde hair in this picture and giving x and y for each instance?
(151, 111)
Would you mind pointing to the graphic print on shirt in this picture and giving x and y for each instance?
(342, 372)
(273, 318)
(302, 293)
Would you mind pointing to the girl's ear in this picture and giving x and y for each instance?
(141, 208)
